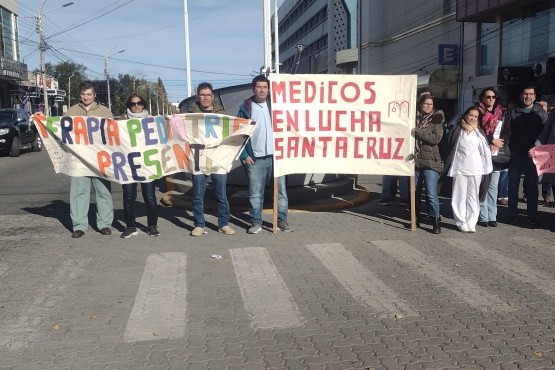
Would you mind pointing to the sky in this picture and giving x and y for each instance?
(225, 39)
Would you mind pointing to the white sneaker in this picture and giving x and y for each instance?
(255, 228)
(227, 230)
(197, 231)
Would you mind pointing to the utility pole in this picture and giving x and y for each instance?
(187, 56)
(42, 48)
(107, 74)
(69, 90)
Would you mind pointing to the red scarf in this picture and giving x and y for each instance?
(490, 119)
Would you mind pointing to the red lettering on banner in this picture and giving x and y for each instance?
(278, 148)
(80, 130)
(308, 128)
(113, 131)
(104, 160)
(309, 91)
(308, 147)
(399, 141)
(182, 156)
(338, 115)
(331, 99)
(325, 140)
(277, 120)
(278, 89)
(324, 125)
(371, 148)
(374, 119)
(294, 92)
(356, 94)
(368, 87)
(358, 140)
(292, 121)
(341, 146)
(293, 147)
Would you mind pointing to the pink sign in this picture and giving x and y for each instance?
(544, 158)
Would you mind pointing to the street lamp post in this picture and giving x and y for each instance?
(107, 73)
(42, 48)
(69, 90)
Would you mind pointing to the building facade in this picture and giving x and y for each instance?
(317, 36)
(508, 44)
(12, 71)
(415, 37)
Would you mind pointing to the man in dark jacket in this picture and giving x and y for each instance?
(258, 156)
(205, 104)
(526, 122)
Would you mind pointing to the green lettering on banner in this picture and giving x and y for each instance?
(156, 163)
(133, 128)
(50, 121)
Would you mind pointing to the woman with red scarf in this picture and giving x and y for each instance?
(497, 135)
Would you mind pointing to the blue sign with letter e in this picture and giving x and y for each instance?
(447, 54)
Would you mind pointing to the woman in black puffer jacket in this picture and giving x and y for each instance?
(427, 134)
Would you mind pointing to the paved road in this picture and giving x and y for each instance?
(353, 289)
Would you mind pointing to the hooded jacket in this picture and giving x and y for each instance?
(429, 138)
(217, 108)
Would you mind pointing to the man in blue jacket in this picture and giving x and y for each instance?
(258, 156)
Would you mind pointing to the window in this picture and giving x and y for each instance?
(486, 49)
(525, 41)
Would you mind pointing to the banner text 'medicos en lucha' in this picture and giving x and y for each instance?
(143, 149)
(352, 124)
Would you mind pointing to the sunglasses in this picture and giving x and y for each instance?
(490, 97)
(136, 103)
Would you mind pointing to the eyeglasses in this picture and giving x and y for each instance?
(136, 103)
(205, 95)
(490, 97)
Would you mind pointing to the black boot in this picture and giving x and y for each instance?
(437, 227)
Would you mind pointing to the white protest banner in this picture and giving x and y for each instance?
(349, 124)
(143, 149)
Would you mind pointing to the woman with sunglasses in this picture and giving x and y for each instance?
(497, 136)
(428, 133)
(136, 109)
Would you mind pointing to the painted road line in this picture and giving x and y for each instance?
(463, 288)
(25, 328)
(510, 266)
(160, 304)
(267, 300)
(361, 283)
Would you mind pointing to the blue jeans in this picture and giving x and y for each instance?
(503, 186)
(488, 208)
(149, 196)
(518, 166)
(403, 187)
(260, 173)
(219, 183)
(429, 178)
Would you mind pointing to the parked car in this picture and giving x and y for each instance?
(17, 132)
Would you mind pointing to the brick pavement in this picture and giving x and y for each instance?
(349, 289)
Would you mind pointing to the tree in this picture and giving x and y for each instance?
(62, 71)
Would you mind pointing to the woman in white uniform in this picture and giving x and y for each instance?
(469, 164)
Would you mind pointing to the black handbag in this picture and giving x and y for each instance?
(503, 156)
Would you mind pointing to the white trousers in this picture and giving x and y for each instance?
(465, 201)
